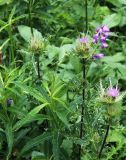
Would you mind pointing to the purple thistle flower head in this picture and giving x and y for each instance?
(112, 92)
(83, 40)
(98, 56)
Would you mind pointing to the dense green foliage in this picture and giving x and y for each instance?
(41, 80)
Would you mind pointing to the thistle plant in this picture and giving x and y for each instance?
(112, 98)
(88, 49)
(37, 45)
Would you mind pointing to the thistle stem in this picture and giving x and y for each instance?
(38, 67)
(86, 14)
(29, 15)
(11, 44)
(83, 104)
(84, 77)
(104, 141)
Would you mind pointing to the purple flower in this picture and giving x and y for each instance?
(103, 39)
(98, 56)
(95, 38)
(83, 40)
(112, 92)
(105, 28)
(99, 30)
(104, 45)
(101, 35)
(105, 34)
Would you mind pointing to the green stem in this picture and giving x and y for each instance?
(104, 141)
(86, 14)
(84, 78)
(29, 14)
(11, 44)
(38, 67)
(83, 104)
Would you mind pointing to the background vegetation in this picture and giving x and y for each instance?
(41, 80)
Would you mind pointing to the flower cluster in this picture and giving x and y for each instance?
(84, 45)
(101, 35)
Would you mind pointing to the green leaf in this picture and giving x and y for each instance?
(36, 141)
(67, 145)
(2, 2)
(9, 136)
(65, 50)
(122, 1)
(62, 115)
(115, 58)
(33, 92)
(11, 14)
(116, 3)
(116, 136)
(37, 156)
(29, 117)
(75, 61)
(56, 146)
(25, 32)
(20, 135)
(112, 20)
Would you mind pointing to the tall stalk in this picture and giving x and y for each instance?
(84, 85)
(104, 141)
(38, 67)
(11, 44)
(29, 15)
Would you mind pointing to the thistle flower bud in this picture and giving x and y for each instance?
(82, 47)
(37, 44)
(9, 102)
(114, 109)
